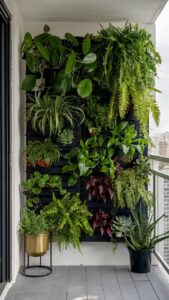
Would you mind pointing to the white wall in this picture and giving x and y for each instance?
(15, 110)
(94, 253)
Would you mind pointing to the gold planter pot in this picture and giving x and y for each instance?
(37, 245)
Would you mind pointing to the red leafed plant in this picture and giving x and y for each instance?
(99, 188)
(101, 221)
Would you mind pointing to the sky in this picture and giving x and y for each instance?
(162, 83)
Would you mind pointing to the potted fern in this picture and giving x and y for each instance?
(138, 233)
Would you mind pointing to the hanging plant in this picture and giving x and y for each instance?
(128, 69)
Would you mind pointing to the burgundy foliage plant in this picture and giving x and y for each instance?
(99, 188)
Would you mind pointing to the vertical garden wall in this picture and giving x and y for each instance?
(88, 105)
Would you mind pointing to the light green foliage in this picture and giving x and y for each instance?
(140, 234)
(129, 61)
(130, 188)
(33, 224)
(143, 167)
(51, 111)
(96, 113)
(38, 181)
(121, 225)
(42, 150)
(68, 219)
(66, 136)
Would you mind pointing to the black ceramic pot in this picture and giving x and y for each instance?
(140, 260)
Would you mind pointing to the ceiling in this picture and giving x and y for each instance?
(141, 11)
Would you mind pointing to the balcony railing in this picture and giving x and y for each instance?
(159, 185)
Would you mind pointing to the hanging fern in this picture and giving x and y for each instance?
(129, 61)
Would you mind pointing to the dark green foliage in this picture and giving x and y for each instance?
(96, 113)
(139, 232)
(38, 181)
(99, 151)
(33, 224)
(68, 219)
(42, 150)
(66, 136)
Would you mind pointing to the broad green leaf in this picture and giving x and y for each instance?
(132, 151)
(28, 83)
(139, 148)
(31, 62)
(84, 88)
(123, 125)
(111, 142)
(86, 44)
(71, 39)
(69, 168)
(125, 149)
(62, 82)
(104, 169)
(110, 152)
(72, 179)
(46, 28)
(42, 38)
(70, 63)
(43, 51)
(89, 58)
(72, 153)
(36, 190)
(83, 168)
(27, 42)
(54, 56)
(56, 43)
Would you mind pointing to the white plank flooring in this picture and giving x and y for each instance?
(92, 283)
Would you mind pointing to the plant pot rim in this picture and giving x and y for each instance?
(141, 250)
(43, 233)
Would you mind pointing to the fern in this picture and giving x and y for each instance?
(130, 188)
(129, 65)
(68, 218)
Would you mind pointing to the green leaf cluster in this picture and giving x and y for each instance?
(130, 187)
(66, 137)
(32, 223)
(46, 51)
(38, 181)
(68, 219)
(138, 232)
(50, 112)
(42, 150)
(99, 150)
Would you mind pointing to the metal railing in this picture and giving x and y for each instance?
(160, 188)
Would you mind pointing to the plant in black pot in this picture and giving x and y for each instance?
(138, 233)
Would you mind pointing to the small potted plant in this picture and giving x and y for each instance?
(42, 153)
(36, 233)
(138, 233)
